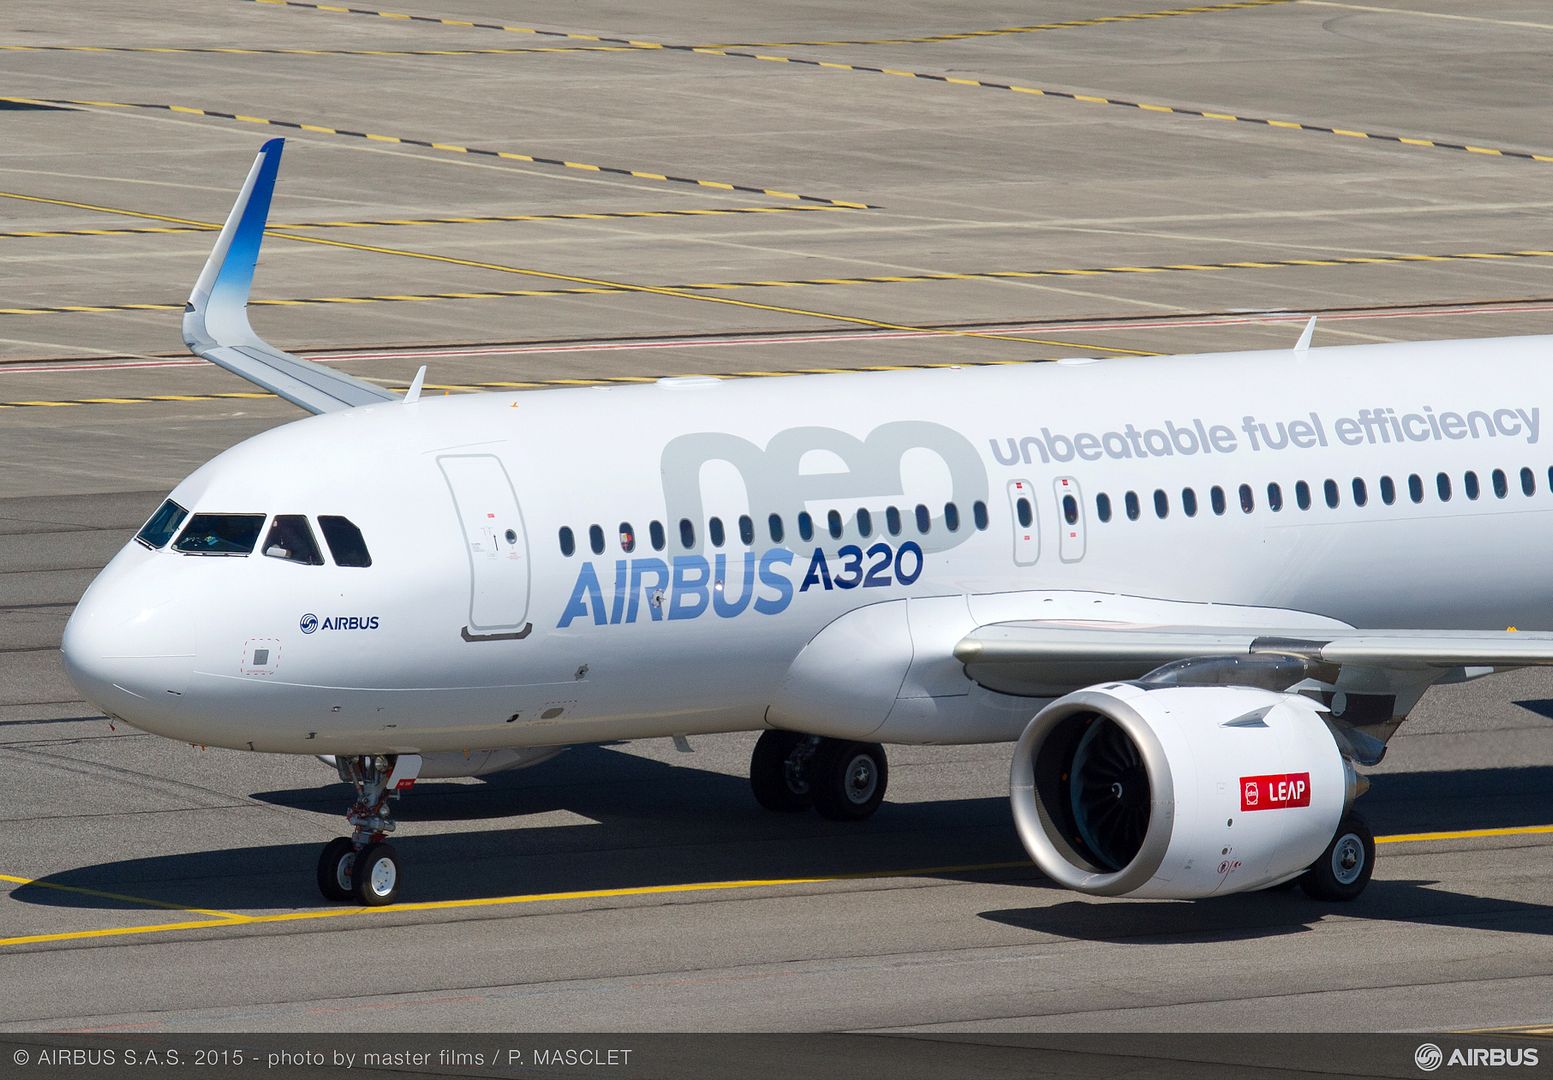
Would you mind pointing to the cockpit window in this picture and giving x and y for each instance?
(220, 534)
(162, 525)
(345, 541)
(291, 539)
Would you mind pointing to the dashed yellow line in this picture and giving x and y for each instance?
(971, 35)
(483, 219)
(985, 84)
(595, 284)
(236, 51)
(697, 287)
(231, 919)
(451, 148)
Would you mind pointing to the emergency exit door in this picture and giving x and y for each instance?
(495, 543)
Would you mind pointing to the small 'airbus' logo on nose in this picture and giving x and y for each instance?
(309, 623)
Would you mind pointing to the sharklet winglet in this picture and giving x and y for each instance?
(215, 320)
(1304, 342)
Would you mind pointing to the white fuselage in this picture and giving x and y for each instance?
(458, 637)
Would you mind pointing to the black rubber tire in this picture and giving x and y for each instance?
(1345, 866)
(769, 779)
(376, 878)
(334, 874)
(848, 779)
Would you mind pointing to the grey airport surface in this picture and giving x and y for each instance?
(522, 196)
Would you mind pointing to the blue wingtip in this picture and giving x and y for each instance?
(242, 255)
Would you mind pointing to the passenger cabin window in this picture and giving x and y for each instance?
(979, 515)
(1103, 507)
(1361, 494)
(291, 539)
(568, 541)
(1388, 490)
(1130, 500)
(1274, 498)
(1247, 499)
(1188, 502)
(1216, 499)
(714, 531)
(220, 534)
(1302, 495)
(345, 541)
(1528, 482)
(596, 539)
(925, 518)
(951, 517)
(1415, 488)
(865, 523)
(1469, 484)
(1501, 484)
(805, 526)
(1069, 509)
(687, 534)
(746, 530)
(892, 520)
(833, 523)
(655, 534)
(1442, 484)
(1334, 497)
(155, 533)
(627, 537)
(1161, 504)
(774, 527)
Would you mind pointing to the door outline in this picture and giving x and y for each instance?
(492, 495)
(1027, 540)
(1070, 534)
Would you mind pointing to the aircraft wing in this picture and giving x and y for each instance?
(1015, 657)
(215, 321)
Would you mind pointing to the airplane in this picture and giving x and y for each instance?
(1197, 594)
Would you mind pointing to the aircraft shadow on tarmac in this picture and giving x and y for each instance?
(648, 823)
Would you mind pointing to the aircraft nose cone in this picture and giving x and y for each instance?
(127, 654)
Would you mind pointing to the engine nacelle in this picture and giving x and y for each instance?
(1178, 792)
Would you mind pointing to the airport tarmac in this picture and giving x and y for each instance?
(747, 191)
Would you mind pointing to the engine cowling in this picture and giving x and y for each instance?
(1178, 792)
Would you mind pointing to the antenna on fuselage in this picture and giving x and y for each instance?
(1304, 341)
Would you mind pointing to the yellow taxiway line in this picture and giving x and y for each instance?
(227, 918)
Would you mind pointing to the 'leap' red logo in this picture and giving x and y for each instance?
(1275, 792)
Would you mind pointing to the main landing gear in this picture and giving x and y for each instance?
(1345, 867)
(843, 780)
(364, 867)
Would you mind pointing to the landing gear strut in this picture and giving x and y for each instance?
(843, 780)
(364, 867)
(1345, 867)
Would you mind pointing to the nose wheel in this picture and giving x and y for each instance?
(842, 780)
(364, 867)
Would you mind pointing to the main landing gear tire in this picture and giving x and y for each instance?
(334, 869)
(375, 877)
(1345, 867)
(779, 771)
(847, 779)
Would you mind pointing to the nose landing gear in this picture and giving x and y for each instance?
(364, 867)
